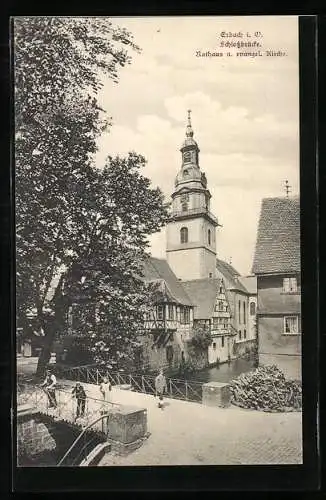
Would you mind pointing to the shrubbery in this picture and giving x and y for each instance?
(266, 389)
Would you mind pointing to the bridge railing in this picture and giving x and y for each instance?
(66, 407)
(188, 390)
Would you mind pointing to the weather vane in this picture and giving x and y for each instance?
(287, 188)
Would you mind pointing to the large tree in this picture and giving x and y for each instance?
(59, 65)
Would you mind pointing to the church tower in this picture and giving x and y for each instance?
(191, 238)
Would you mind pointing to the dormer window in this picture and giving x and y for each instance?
(185, 173)
(290, 285)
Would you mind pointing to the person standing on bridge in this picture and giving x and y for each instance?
(160, 387)
(49, 385)
(105, 388)
(80, 394)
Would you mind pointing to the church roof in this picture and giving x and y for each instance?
(231, 276)
(278, 239)
(202, 293)
(158, 269)
(250, 283)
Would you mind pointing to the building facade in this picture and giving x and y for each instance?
(212, 310)
(241, 294)
(168, 324)
(277, 267)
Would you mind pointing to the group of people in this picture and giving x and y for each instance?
(49, 386)
(79, 393)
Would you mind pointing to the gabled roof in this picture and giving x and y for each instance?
(231, 276)
(157, 270)
(250, 284)
(278, 239)
(202, 293)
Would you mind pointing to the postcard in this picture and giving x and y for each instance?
(158, 285)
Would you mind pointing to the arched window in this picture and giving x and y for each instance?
(209, 236)
(252, 308)
(184, 235)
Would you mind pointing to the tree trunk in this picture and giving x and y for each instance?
(45, 355)
(50, 327)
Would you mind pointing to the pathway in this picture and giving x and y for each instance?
(185, 433)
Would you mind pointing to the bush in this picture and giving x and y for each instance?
(266, 389)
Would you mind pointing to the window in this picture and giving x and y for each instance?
(239, 311)
(184, 235)
(216, 321)
(160, 312)
(290, 285)
(222, 340)
(239, 334)
(214, 345)
(244, 334)
(252, 308)
(187, 157)
(221, 289)
(209, 236)
(210, 275)
(184, 201)
(291, 325)
(244, 313)
(170, 311)
(184, 315)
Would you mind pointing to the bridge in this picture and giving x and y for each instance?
(57, 436)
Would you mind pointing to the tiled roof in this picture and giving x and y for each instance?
(230, 276)
(158, 269)
(202, 293)
(250, 283)
(278, 239)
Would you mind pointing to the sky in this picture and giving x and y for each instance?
(245, 116)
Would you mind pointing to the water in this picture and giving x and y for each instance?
(224, 372)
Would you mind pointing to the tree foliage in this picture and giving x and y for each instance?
(200, 339)
(70, 216)
(109, 273)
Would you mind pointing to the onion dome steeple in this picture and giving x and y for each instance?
(189, 142)
(190, 159)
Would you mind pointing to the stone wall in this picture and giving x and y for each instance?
(155, 358)
(42, 441)
(240, 349)
(33, 436)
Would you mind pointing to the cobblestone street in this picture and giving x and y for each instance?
(186, 433)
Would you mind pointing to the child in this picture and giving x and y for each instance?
(105, 388)
(160, 387)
